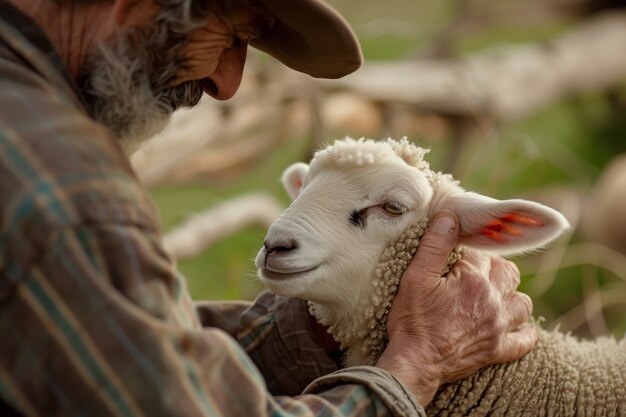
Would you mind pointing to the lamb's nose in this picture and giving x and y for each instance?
(279, 247)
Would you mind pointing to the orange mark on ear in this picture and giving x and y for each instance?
(492, 234)
(507, 228)
(299, 183)
(522, 219)
(499, 229)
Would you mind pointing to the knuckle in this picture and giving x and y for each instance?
(492, 324)
(447, 348)
(526, 304)
(516, 280)
(513, 272)
(475, 282)
(499, 326)
(509, 265)
(493, 347)
(475, 260)
(506, 271)
(490, 308)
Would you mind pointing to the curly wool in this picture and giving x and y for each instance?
(351, 152)
(366, 338)
(360, 152)
(562, 376)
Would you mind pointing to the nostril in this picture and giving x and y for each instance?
(272, 248)
(209, 87)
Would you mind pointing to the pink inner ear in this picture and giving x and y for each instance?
(299, 183)
(523, 219)
(499, 229)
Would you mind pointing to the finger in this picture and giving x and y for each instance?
(519, 309)
(472, 264)
(435, 246)
(504, 275)
(518, 343)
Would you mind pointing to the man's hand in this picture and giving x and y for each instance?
(444, 329)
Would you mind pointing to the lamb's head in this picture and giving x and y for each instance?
(348, 203)
(356, 197)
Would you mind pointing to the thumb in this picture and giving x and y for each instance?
(435, 246)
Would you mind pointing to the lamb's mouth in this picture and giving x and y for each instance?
(285, 275)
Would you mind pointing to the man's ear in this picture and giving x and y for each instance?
(507, 226)
(293, 178)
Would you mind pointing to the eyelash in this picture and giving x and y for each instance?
(392, 208)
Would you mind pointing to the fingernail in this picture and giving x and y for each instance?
(443, 225)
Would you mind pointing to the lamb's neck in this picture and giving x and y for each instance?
(330, 314)
(362, 329)
(343, 317)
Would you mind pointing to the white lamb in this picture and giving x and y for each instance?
(354, 198)
(359, 210)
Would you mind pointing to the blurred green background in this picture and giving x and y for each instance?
(567, 144)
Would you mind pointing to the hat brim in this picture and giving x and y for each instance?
(311, 37)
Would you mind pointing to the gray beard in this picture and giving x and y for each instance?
(125, 83)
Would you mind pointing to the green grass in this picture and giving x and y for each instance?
(226, 269)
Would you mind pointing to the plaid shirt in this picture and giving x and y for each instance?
(94, 318)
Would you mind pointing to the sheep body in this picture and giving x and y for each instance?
(562, 376)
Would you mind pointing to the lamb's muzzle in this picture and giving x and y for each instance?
(273, 256)
(279, 247)
(274, 260)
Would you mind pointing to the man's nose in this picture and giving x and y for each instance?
(227, 76)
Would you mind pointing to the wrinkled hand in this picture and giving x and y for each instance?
(444, 329)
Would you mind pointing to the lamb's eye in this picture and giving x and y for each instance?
(393, 208)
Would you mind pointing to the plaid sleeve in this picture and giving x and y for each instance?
(276, 334)
(225, 315)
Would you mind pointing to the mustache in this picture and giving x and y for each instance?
(126, 83)
(187, 94)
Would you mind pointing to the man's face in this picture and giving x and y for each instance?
(135, 80)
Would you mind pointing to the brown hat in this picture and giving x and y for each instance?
(311, 37)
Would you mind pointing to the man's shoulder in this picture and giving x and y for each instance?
(58, 167)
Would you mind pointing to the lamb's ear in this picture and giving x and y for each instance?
(505, 227)
(293, 178)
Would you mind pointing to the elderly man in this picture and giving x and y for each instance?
(94, 318)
